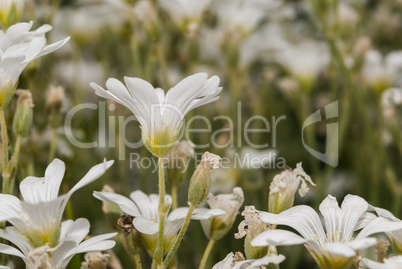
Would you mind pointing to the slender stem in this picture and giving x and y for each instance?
(161, 210)
(153, 266)
(15, 160)
(174, 197)
(206, 253)
(5, 172)
(137, 260)
(179, 237)
(53, 144)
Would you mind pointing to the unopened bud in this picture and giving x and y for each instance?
(23, 113)
(177, 161)
(200, 181)
(54, 106)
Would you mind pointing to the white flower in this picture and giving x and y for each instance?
(394, 262)
(72, 233)
(218, 226)
(161, 115)
(254, 159)
(144, 209)
(391, 98)
(335, 245)
(38, 216)
(231, 263)
(18, 47)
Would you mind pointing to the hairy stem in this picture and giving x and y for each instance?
(179, 238)
(162, 209)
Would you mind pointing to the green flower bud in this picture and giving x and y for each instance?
(200, 181)
(177, 161)
(23, 113)
(284, 186)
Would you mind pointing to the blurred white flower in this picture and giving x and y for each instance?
(305, 59)
(39, 215)
(144, 209)
(184, 11)
(161, 115)
(335, 245)
(394, 262)
(230, 262)
(242, 16)
(391, 98)
(18, 47)
(347, 15)
(10, 11)
(216, 227)
(381, 72)
(72, 233)
(253, 159)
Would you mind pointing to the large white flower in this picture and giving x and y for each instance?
(72, 233)
(231, 263)
(335, 245)
(39, 215)
(144, 209)
(161, 115)
(18, 47)
(394, 262)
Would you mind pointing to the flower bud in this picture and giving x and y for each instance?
(10, 12)
(284, 186)
(255, 226)
(54, 106)
(23, 113)
(216, 227)
(200, 181)
(177, 161)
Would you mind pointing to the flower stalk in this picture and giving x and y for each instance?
(162, 210)
(206, 253)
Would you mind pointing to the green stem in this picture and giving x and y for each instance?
(206, 254)
(5, 172)
(174, 197)
(162, 209)
(53, 144)
(179, 238)
(15, 160)
(137, 260)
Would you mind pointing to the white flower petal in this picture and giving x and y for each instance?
(74, 230)
(277, 238)
(301, 218)
(339, 249)
(379, 225)
(5, 249)
(205, 213)
(125, 204)
(376, 265)
(364, 243)
(146, 226)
